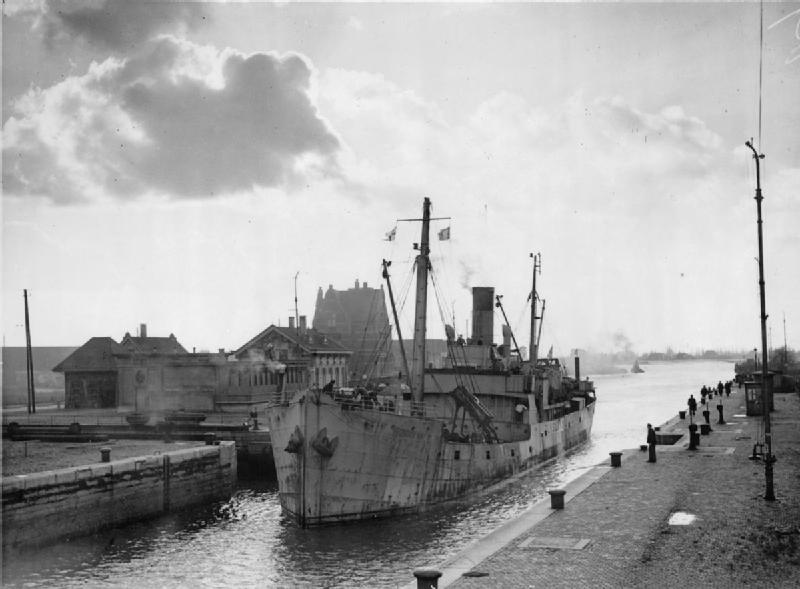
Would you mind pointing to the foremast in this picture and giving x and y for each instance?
(417, 381)
(534, 344)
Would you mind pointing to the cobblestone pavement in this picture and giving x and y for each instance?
(615, 533)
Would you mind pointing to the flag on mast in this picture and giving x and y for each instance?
(391, 235)
(444, 234)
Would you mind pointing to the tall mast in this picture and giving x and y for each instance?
(766, 388)
(534, 352)
(541, 322)
(421, 308)
(396, 320)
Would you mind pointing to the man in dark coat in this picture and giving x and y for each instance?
(692, 402)
(651, 443)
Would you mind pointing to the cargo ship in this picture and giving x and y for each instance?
(444, 434)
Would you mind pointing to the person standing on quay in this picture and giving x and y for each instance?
(651, 443)
(692, 402)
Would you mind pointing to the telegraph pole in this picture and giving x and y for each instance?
(766, 392)
(29, 359)
(296, 314)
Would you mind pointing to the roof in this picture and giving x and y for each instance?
(311, 341)
(95, 355)
(152, 345)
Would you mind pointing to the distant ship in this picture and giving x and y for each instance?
(349, 454)
(636, 368)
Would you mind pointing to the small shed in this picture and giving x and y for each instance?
(754, 399)
(90, 375)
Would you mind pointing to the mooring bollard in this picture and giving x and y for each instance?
(693, 437)
(616, 458)
(427, 578)
(682, 414)
(557, 498)
(721, 419)
(105, 454)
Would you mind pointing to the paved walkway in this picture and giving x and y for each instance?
(614, 530)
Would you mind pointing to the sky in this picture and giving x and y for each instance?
(188, 165)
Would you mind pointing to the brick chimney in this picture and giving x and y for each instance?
(302, 323)
(143, 330)
(291, 322)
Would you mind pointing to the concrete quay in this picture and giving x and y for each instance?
(254, 448)
(615, 530)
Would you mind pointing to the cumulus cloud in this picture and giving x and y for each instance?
(176, 119)
(115, 24)
(510, 152)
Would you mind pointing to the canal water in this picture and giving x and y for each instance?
(247, 542)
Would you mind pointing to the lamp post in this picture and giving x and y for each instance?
(769, 494)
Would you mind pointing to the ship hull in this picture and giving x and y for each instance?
(336, 463)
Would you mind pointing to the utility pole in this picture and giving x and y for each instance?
(29, 359)
(296, 316)
(766, 392)
(785, 354)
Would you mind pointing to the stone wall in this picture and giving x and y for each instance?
(47, 506)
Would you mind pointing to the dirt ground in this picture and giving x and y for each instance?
(34, 456)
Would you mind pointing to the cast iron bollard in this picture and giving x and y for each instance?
(557, 498)
(721, 419)
(707, 416)
(682, 414)
(427, 578)
(616, 458)
(705, 429)
(105, 454)
(693, 437)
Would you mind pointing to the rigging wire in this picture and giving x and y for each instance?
(370, 318)
(473, 385)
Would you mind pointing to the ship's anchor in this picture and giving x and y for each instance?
(323, 445)
(295, 444)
